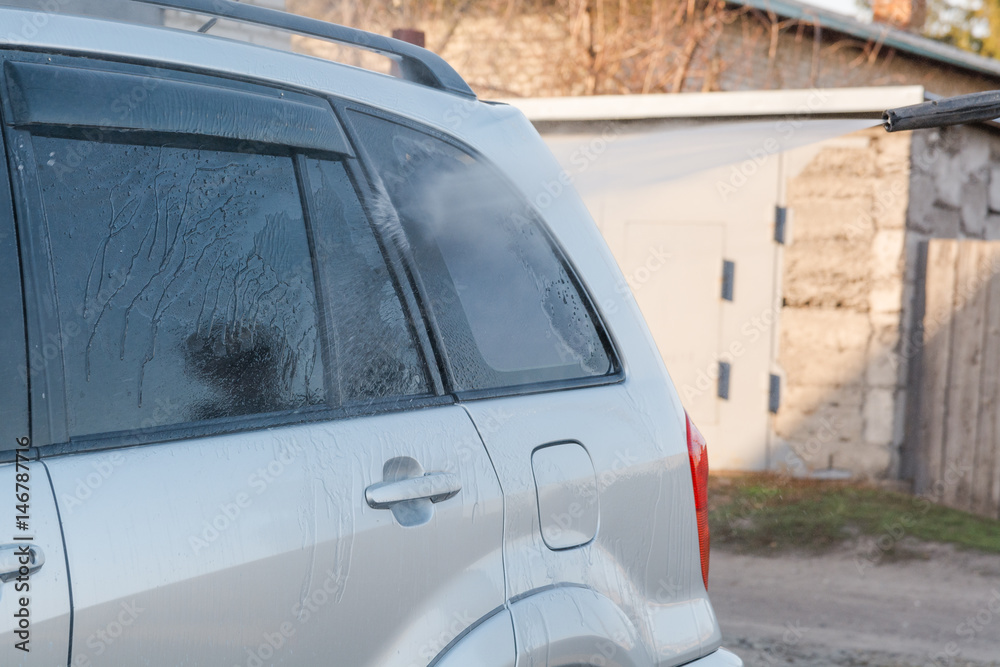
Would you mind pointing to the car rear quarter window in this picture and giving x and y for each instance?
(508, 308)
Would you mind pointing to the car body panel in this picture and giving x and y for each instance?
(565, 626)
(254, 544)
(640, 574)
(720, 658)
(645, 556)
(488, 644)
(47, 590)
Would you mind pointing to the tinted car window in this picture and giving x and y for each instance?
(13, 366)
(183, 281)
(186, 287)
(370, 339)
(508, 309)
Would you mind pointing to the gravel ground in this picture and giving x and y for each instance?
(939, 607)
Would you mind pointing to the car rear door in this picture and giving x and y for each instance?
(253, 453)
(34, 602)
(601, 543)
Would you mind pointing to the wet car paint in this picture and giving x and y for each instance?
(635, 590)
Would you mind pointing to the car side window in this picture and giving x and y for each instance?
(185, 275)
(370, 338)
(196, 265)
(13, 359)
(186, 286)
(507, 307)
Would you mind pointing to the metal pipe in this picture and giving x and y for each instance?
(977, 107)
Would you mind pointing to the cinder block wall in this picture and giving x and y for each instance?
(956, 184)
(955, 194)
(843, 286)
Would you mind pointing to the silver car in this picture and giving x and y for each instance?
(309, 365)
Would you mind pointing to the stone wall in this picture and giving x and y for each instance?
(521, 55)
(844, 395)
(849, 346)
(540, 53)
(955, 194)
(532, 53)
(835, 61)
(956, 182)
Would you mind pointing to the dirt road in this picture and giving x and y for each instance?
(941, 607)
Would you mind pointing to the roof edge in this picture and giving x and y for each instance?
(750, 104)
(901, 40)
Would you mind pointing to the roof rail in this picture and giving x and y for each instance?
(415, 63)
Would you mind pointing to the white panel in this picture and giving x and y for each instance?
(675, 272)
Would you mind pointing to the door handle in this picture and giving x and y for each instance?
(433, 486)
(15, 556)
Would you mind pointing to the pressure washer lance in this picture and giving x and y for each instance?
(972, 108)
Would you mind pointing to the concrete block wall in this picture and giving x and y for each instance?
(956, 179)
(955, 194)
(843, 306)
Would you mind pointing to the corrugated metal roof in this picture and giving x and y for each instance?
(875, 32)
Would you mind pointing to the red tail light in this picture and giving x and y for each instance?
(698, 454)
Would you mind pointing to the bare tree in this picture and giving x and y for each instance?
(560, 47)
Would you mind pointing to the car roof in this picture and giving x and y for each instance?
(181, 49)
